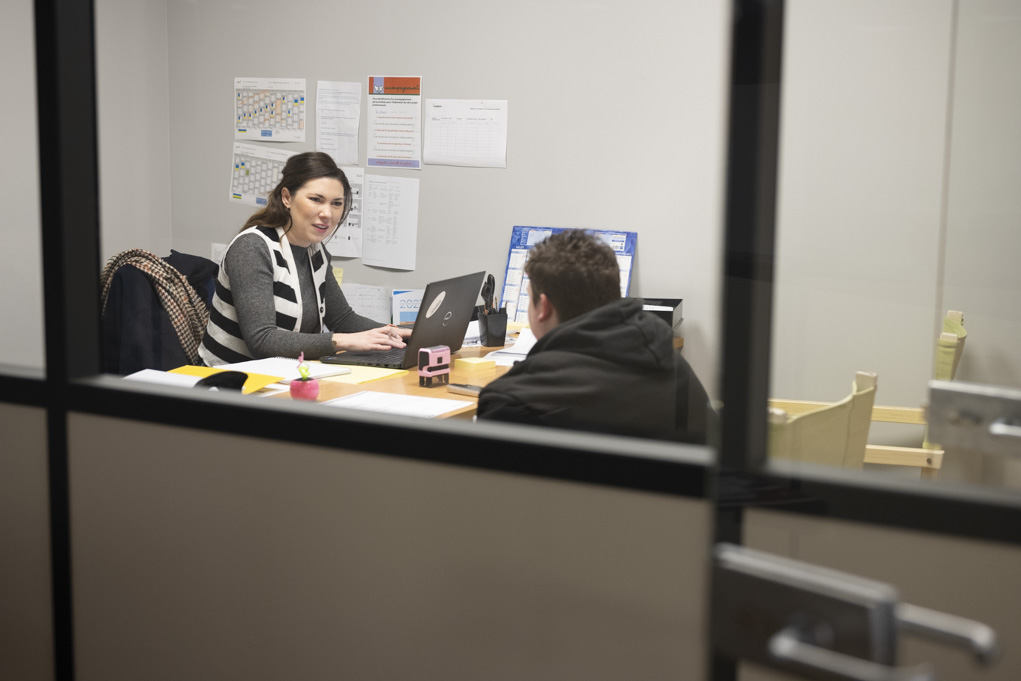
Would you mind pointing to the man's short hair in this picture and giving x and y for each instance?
(576, 270)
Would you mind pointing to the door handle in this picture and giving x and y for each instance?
(982, 418)
(823, 623)
(787, 647)
(977, 637)
(1005, 428)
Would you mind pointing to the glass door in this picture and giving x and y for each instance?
(872, 239)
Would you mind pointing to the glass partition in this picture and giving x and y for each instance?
(166, 75)
(897, 229)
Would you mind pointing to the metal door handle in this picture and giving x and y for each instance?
(1005, 428)
(977, 637)
(787, 646)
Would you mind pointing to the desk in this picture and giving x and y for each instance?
(407, 384)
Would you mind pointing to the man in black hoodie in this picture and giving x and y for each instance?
(600, 362)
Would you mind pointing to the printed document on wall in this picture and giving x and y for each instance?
(338, 112)
(390, 221)
(347, 242)
(269, 109)
(395, 122)
(465, 132)
(368, 301)
(257, 170)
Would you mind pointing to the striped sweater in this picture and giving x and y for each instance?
(223, 342)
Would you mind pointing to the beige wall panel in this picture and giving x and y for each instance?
(976, 579)
(207, 556)
(26, 622)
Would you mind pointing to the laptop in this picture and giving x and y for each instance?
(442, 319)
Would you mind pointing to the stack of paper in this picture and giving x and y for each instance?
(402, 405)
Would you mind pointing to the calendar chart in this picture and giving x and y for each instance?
(269, 109)
(255, 172)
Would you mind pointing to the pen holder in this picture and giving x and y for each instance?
(493, 328)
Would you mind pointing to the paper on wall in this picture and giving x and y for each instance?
(395, 122)
(347, 240)
(338, 113)
(390, 221)
(466, 132)
(269, 109)
(369, 301)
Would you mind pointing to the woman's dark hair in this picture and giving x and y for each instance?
(298, 170)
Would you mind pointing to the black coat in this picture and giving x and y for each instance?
(137, 331)
(613, 370)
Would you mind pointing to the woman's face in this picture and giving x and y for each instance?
(316, 209)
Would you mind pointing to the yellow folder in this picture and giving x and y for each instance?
(255, 381)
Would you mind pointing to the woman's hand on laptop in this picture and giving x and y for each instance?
(383, 338)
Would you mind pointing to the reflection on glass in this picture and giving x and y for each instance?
(897, 229)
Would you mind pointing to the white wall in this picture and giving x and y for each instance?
(901, 158)
(613, 125)
(983, 241)
(134, 126)
(861, 175)
(21, 299)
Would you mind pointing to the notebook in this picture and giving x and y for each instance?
(442, 320)
(284, 367)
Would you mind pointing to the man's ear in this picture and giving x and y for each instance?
(546, 309)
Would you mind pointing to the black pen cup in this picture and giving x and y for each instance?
(493, 328)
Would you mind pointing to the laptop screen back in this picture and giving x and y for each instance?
(444, 314)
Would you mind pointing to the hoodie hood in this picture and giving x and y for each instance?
(620, 332)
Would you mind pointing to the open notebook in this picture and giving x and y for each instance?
(284, 367)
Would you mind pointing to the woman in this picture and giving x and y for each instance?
(275, 295)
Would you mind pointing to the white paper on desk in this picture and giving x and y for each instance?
(347, 240)
(505, 357)
(368, 301)
(338, 113)
(269, 109)
(466, 132)
(390, 221)
(401, 405)
(163, 378)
